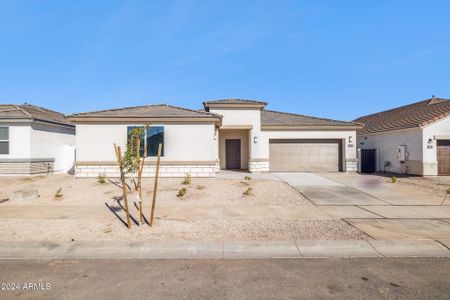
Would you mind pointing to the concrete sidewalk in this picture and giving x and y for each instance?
(222, 249)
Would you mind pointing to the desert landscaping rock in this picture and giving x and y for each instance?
(220, 229)
(23, 196)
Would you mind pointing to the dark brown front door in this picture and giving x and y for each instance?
(233, 154)
(443, 157)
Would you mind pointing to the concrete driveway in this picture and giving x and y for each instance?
(324, 191)
(379, 209)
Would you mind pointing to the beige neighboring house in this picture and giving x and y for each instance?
(412, 139)
(35, 140)
(226, 134)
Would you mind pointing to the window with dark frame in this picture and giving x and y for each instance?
(154, 137)
(4, 140)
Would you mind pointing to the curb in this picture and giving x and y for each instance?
(223, 249)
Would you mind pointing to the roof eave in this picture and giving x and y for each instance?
(29, 120)
(316, 127)
(139, 119)
(233, 105)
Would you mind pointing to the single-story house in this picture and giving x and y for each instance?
(226, 134)
(412, 139)
(34, 140)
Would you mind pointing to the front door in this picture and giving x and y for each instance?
(233, 154)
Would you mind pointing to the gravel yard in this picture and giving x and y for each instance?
(198, 216)
(205, 191)
(432, 184)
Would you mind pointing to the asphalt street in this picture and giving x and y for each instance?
(368, 278)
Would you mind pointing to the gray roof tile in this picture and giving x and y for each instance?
(275, 118)
(404, 117)
(32, 112)
(148, 111)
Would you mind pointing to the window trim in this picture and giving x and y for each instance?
(7, 141)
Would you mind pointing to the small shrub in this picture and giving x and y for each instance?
(59, 194)
(182, 192)
(448, 191)
(393, 179)
(247, 180)
(101, 178)
(248, 191)
(187, 180)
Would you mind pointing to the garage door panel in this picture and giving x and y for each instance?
(304, 157)
(443, 157)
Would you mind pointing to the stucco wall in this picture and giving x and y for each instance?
(182, 142)
(48, 141)
(388, 143)
(36, 148)
(440, 128)
(19, 141)
(246, 117)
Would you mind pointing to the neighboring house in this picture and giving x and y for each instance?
(412, 139)
(227, 134)
(34, 140)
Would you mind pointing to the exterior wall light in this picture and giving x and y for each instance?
(430, 142)
(255, 139)
(350, 139)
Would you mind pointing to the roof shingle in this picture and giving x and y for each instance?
(32, 112)
(147, 111)
(275, 118)
(409, 116)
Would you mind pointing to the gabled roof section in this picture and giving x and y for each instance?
(233, 102)
(274, 119)
(150, 112)
(32, 113)
(413, 115)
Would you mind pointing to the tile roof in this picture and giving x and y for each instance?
(147, 111)
(409, 116)
(32, 112)
(234, 101)
(275, 118)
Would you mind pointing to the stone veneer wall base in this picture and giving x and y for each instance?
(258, 166)
(351, 166)
(85, 171)
(26, 167)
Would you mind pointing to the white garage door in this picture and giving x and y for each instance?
(304, 155)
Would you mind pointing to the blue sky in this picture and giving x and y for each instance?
(335, 59)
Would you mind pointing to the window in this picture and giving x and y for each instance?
(4, 140)
(154, 137)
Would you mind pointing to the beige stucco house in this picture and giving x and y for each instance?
(412, 139)
(226, 134)
(35, 140)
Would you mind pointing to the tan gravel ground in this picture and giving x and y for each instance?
(213, 229)
(89, 194)
(432, 184)
(202, 190)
